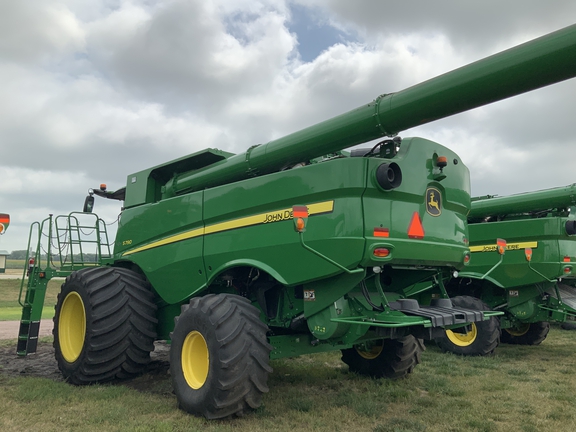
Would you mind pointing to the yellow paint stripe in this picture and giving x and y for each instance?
(509, 246)
(262, 218)
(184, 236)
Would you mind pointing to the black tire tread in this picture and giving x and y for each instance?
(398, 358)
(120, 325)
(242, 355)
(488, 337)
(534, 336)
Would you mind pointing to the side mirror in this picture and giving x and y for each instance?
(88, 204)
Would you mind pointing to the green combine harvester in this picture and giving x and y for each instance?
(532, 282)
(293, 247)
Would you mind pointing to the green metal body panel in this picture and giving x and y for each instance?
(524, 289)
(548, 241)
(146, 186)
(200, 236)
(345, 185)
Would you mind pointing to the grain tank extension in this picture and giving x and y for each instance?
(293, 247)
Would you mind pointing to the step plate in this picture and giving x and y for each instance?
(441, 316)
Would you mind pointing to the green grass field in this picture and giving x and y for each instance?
(11, 310)
(14, 264)
(521, 388)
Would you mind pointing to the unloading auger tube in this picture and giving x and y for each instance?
(555, 198)
(538, 63)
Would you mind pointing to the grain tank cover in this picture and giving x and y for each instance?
(146, 186)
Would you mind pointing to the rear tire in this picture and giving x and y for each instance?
(482, 337)
(104, 325)
(219, 356)
(387, 358)
(528, 334)
(568, 326)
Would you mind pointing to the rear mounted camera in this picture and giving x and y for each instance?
(389, 176)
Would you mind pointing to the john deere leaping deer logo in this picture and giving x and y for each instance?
(433, 202)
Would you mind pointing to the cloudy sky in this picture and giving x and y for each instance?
(93, 91)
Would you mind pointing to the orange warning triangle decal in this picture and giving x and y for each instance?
(415, 229)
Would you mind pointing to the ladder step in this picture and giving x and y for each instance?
(28, 337)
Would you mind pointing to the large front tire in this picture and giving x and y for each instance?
(387, 358)
(480, 338)
(104, 325)
(219, 356)
(526, 334)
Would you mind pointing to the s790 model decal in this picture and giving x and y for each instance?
(262, 218)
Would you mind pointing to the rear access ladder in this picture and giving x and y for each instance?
(63, 244)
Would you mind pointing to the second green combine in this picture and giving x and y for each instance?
(523, 251)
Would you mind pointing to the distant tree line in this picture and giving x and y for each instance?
(21, 254)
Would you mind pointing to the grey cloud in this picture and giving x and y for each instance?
(36, 31)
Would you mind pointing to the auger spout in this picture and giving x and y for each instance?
(532, 65)
(555, 198)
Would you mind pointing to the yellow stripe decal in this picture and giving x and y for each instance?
(184, 236)
(262, 218)
(509, 246)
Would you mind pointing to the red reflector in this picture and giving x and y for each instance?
(567, 270)
(300, 225)
(381, 232)
(466, 259)
(381, 252)
(415, 229)
(300, 211)
(566, 259)
(501, 243)
(528, 253)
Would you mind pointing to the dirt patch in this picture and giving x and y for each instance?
(43, 364)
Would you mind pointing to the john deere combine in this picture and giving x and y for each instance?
(290, 248)
(532, 282)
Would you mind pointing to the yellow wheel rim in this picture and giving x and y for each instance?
(72, 327)
(372, 354)
(463, 339)
(519, 331)
(195, 360)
